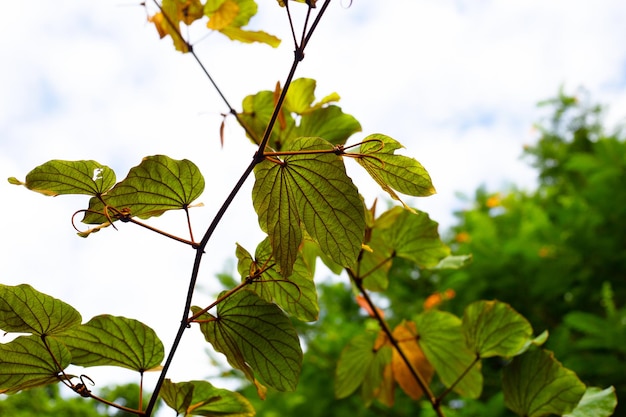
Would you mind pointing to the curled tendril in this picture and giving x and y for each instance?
(81, 388)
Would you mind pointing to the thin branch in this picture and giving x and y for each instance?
(385, 327)
(258, 157)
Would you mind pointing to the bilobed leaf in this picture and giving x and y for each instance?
(257, 338)
(296, 294)
(200, 398)
(115, 341)
(494, 328)
(314, 191)
(26, 310)
(535, 384)
(25, 362)
(406, 336)
(330, 123)
(256, 113)
(413, 236)
(319, 119)
(158, 184)
(69, 177)
(409, 234)
(229, 16)
(393, 172)
(441, 339)
(353, 364)
(596, 402)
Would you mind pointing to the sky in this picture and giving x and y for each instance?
(456, 82)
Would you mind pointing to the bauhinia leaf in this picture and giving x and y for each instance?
(296, 294)
(361, 363)
(408, 234)
(441, 339)
(200, 398)
(257, 338)
(114, 341)
(26, 310)
(158, 184)
(406, 336)
(393, 172)
(314, 191)
(69, 177)
(229, 16)
(536, 384)
(596, 402)
(493, 328)
(319, 119)
(25, 362)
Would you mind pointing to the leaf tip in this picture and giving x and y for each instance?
(15, 181)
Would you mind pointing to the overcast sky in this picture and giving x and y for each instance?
(456, 82)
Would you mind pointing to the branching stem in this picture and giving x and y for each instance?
(387, 330)
(258, 157)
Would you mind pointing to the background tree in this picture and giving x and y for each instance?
(558, 253)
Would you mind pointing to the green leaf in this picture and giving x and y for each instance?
(393, 172)
(493, 328)
(114, 341)
(596, 402)
(441, 339)
(296, 294)
(200, 398)
(256, 113)
(409, 234)
(26, 363)
(354, 363)
(69, 177)
(316, 119)
(26, 310)
(256, 336)
(535, 384)
(158, 184)
(314, 191)
(330, 123)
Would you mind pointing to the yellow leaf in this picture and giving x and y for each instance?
(406, 336)
(224, 15)
(248, 36)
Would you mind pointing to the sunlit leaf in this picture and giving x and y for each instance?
(596, 402)
(296, 294)
(200, 398)
(315, 119)
(256, 113)
(25, 362)
(411, 235)
(454, 262)
(330, 123)
(406, 336)
(314, 191)
(26, 310)
(69, 177)
(158, 184)
(536, 384)
(442, 341)
(257, 338)
(393, 172)
(115, 341)
(173, 12)
(249, 36)
(493, 328)
(229, 17)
